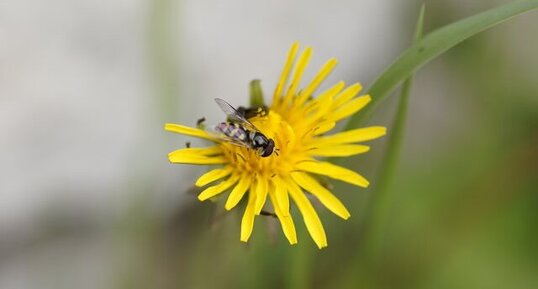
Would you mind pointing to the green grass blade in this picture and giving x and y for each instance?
(372, 229)
(381, 198)
(433, 45)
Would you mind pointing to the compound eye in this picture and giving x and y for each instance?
(268, 150)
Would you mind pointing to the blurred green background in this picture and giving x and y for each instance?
(89, 199)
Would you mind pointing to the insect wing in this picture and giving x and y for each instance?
(234, 116)
(219, 136)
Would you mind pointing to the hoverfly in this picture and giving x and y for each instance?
(239, 131)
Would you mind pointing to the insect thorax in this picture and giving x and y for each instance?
(258, 140)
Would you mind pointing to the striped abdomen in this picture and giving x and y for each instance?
(233, 131)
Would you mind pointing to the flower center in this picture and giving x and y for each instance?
(286, 153)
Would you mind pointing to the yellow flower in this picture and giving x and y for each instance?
(298, 124)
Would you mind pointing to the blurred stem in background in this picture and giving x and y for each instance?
(164, 57)
(377, 214)
(139, 236)
(381, 198)
(302, 265)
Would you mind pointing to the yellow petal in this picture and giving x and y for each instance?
(324, 127)
(298, 74)
(318, 79)
(351, 136)
(285, 220)
(287, 142)
(217, 189)
(322, 110)
(281, 194)
(310, 217)
(238, 192)
(285, 73)
(339, 150)
(333, 171)
(247, 223)
(209, 151)
(347, 94)
(187, 130)
(197, 156)
(261, 193)
(324, 196)
(330, 93)
(350, 108)
(324, 97)
(212, 175)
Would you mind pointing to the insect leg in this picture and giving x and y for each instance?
(200, 123)
(266, 213)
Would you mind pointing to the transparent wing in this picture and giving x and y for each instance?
(234, 116)
(216, 134)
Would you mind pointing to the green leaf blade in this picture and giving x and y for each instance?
(433, 45)
(379, 208)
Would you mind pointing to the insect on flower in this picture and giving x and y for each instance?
(296, 127)
(240, 131)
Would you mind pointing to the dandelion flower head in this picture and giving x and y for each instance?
(299, 124)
